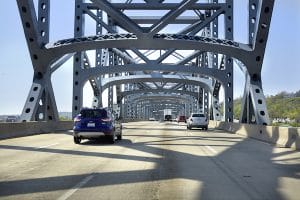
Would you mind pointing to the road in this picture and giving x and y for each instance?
(153, 161)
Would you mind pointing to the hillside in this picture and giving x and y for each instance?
(283, 105)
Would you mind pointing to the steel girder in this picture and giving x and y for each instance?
(41, 104)
(169, 97)
(205, 83)
(213, 73)
(139, 103)
(167, 91)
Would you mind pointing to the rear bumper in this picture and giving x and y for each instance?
(200, 125)
(88, 134)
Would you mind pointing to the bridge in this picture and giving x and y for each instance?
(145, 66)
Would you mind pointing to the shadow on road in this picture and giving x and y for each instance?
(247, 180)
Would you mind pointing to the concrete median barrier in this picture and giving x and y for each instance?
(281, 136)
(12, 130)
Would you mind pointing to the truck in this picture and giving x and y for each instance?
(167, 114)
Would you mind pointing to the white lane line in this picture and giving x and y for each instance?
(47, 146)
(211, 149)
(75, 188)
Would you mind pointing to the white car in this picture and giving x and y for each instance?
(197, 120)
(151, 119)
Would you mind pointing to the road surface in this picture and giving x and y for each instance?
(153, 161)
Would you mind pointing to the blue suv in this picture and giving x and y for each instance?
(94, 123)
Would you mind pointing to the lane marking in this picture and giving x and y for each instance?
(47, 146)
(211, 149)
(75, 188)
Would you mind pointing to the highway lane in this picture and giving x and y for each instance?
(153, 161)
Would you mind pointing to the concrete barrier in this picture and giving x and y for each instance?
(127, 120)
(281, 136)
(12, 130)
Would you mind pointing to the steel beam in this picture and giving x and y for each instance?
(143, 73)
(40, 104)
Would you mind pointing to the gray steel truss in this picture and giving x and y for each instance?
(140, 61)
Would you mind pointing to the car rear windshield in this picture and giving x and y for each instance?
(198, 115)
(99, 113)
(182, 117)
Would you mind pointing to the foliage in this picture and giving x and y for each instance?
(64, 118)
(284, 105)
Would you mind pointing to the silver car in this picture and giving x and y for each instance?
(197, 120)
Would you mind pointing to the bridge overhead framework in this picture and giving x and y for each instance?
(140, 59)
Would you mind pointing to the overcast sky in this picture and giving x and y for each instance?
(281, 69)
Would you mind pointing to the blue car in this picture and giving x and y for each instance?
(95, 123)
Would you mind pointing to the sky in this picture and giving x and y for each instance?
(280, 72)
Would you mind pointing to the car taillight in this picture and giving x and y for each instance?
(106, 120)
(77, 119)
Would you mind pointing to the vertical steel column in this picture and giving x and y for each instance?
(254, 103)
(208, 64)
(49, 108)
(112, 62)
(201, 63)
(110, 89)
(100, 59)
(247, 113)
(119, 61)
(215, 105)
(228, 87)
(44, 20)
(78, 60)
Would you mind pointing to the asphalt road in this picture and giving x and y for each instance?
(153, 161)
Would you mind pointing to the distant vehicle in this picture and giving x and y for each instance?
(197, 120)
(168, 118)
(94, 123)
(181, 118)
(151, 119)
(11, 119)
(167, 114)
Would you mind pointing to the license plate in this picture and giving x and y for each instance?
(91, 125)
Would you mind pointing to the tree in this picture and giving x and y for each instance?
(297, 94)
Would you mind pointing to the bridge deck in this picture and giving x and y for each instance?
(153, 161)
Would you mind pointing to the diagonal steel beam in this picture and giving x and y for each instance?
(189, 58)
(139, 54)
(170, 16)
(124, 21)
(196, 27)
(103, 24)
(60, 62)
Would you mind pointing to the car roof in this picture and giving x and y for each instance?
(93, 109)
(197, 114)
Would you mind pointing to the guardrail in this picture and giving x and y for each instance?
(281, 136)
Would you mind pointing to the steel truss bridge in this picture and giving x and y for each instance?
(145, 63)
